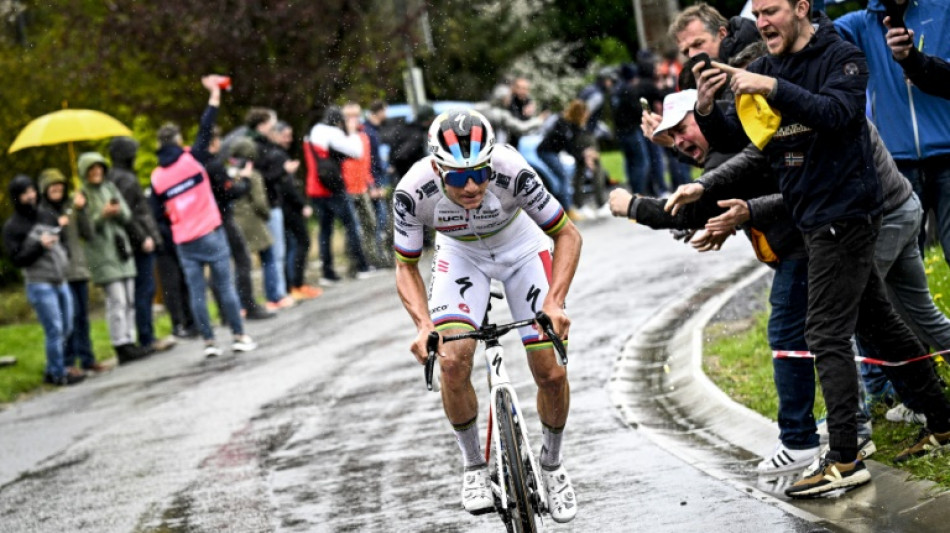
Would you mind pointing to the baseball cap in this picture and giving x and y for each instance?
(675, 108)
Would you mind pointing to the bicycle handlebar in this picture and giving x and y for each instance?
(493, 332)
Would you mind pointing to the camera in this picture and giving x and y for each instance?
(225, 83)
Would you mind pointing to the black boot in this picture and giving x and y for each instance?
(126, 353)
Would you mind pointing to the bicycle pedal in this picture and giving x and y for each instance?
(486, 510)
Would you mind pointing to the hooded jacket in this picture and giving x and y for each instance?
(108, 251)
(913, 124)
(122, 150)
(251, 211)
(821, 152)
(325, 150)
(78, 229)
(21, 238)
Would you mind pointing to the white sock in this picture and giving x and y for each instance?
(551, 446)
(467, 437)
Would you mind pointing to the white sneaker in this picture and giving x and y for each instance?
(784, 460)
(902, 413)
(212, 350)
(243, 343)
(476, 491)
(562, 503)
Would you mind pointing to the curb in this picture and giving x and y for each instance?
(659, 388)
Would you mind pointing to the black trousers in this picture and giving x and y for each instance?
(295, 229)
(847, 296)
(242, 262)
(174, 288)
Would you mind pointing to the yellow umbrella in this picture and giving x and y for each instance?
(68, 125)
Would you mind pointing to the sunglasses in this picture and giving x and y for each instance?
(459, 178)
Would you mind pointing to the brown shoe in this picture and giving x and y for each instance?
(830, 475)
(928, 442)
(163, 345)
(97, 367)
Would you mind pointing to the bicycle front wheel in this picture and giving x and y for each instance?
(520, 506)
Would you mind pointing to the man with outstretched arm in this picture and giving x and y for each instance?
(493, 218)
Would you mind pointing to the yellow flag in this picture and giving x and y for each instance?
(759, 120)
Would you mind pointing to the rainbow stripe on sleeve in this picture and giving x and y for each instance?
(555, 223)
(407, 256)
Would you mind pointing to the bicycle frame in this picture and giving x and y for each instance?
(497, 380)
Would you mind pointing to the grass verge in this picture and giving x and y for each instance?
(738, 360)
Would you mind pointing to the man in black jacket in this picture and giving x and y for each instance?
(144, 236)
(817, 82)
(32, 238)
(930, 74)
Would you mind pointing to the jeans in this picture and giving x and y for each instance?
(561, 185)
(363, 207)
(931, 181)
(329, 209)
(275, 225)
(79, 344)
(54, 308)
(120, 310)
(679, 171)
(212, 250)
(635, 160)
(144, 295)
(794, 378)
(270, 267)
(846, 295)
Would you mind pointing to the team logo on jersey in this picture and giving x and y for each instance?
(427, 190)
(526, 182)
(403, 204)
(502, 180)
(464, 285)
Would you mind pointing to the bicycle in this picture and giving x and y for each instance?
(520, 495)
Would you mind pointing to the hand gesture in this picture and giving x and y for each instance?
(899, 40)
(710, 241)
(111, 209)
(708, 83)
(684, 194)
(620, 200)
(648, 124)
(291, 166)
(247, 170)
(737, 213)
(148, 246)
(79, 200)
(745, 82)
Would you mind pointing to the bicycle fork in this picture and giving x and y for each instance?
(498, 379)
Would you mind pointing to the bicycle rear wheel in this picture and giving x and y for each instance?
(520, 506)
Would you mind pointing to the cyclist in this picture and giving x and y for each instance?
(491, 214)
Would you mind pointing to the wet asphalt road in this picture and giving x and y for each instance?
(328, 427)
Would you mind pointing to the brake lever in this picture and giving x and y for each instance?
(432, 347)
(548, 327)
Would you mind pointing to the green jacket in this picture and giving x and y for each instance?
(252, 211)
(105, 260)
(79, 227)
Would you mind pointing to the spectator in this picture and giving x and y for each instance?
(597, 97)
(360, 183)
(226, 190)
(296, 213)
(144, 237)
(521, 106)
(109, 254)
(181, 185)
(32, 238)
(929, 73)
(332, 141)
(75, 225)
(410, 142)
(915, 125)
(378, 193)
(701, 28)
(824, 135)
(565, 136)
(627, 116)
(273, 164)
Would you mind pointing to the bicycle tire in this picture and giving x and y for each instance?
(522, 512)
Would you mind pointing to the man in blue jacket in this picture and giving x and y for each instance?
(821, 153)
(915, 125)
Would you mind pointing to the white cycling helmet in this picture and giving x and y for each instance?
(461, 138)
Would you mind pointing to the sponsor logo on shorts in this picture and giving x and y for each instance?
(464, 308)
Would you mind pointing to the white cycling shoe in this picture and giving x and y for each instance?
(476, 491)
(562, 503)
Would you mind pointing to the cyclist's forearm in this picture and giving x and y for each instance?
(412, 292)
(567, 253)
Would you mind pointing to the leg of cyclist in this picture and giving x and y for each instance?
(526, 288)
(458, 298)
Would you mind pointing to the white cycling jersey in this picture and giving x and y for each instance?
(502, 239)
